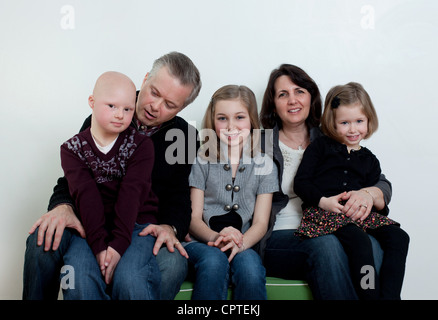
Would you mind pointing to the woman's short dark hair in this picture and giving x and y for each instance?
(268, 116)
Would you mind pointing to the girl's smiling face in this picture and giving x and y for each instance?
(351, 125)
(232, 122)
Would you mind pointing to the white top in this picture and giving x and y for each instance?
(290, 216)
(105, 149)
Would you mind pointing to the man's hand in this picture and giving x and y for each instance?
(53, 223)
(164, 234)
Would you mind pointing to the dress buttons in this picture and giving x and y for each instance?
(235, 207)
(344, 184)
(226, 167)
(227, 208)
(241, 169)
(229, 187)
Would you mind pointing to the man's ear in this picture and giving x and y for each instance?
(145, 78)
(91, 101)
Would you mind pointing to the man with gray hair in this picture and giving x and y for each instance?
(172, 84)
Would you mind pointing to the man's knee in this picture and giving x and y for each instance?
(144, 284)
(172, 264)
(33, 248)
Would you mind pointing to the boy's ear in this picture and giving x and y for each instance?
(91, 101)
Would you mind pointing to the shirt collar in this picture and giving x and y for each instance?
(145, 129)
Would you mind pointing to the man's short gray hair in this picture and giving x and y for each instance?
(181, 67)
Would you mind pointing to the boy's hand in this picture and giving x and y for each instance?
(332, 204)
(108, 260)
(100, 257)
(111, 260)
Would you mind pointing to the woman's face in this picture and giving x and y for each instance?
(292, 103)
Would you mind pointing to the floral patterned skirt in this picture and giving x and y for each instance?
(318, 222)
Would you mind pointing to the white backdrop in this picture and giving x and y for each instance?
(51, 53)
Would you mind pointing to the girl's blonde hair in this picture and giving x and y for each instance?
(349, 94)
(247, 98)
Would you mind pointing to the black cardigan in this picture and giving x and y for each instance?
(327, 169)
(280, 200)
(169, 180)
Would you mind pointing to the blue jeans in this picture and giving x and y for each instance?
(321, 261)
(41, 273)
(136, 276)
(213, 273)
(173, 268)
(41, 268)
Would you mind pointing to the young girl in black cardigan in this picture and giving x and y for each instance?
(335, 164)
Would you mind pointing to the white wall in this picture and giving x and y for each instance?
(49, 60)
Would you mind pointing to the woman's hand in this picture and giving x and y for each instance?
(359, 204)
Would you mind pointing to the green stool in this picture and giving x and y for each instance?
(276, 289)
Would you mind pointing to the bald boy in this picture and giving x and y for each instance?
(108, 168)
(113, 105)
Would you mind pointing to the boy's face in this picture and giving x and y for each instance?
(161, 97)
(113, 109)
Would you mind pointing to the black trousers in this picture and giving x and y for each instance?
(369, 285)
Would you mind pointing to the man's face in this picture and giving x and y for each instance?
(160, 98)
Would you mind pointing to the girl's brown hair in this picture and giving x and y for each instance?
(349, 94)
(233, 92)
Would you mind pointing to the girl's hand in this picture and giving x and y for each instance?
(229, 239)
(226, 245)
(235, 250)
(230, 234)
(225, 236)
(332, 204)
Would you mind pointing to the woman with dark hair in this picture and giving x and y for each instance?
(291, 113)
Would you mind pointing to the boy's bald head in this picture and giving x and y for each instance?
(112, 81)
(113, 103)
